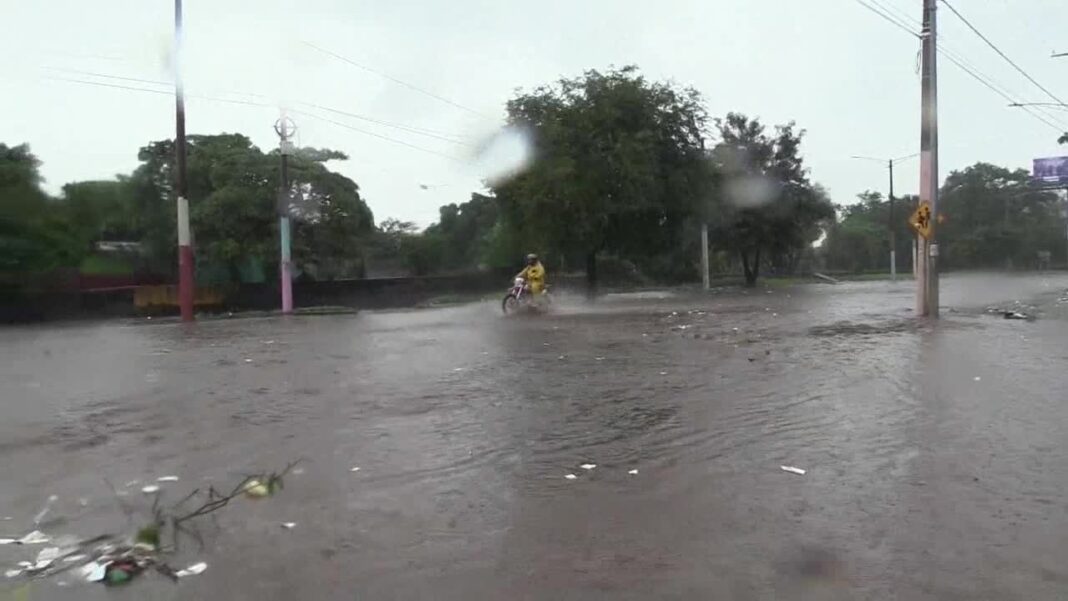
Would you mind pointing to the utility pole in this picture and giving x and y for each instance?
(706, 282)
(185, 249)
(891, 222)
(893, 237)
(927, 256)
(285, 128)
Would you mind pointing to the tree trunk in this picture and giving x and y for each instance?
(591, 273)
(751, 270)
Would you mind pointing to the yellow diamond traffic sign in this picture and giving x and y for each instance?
(921, 220)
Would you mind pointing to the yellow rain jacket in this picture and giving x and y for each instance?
(535, 277)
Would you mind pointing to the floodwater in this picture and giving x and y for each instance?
(936, 454)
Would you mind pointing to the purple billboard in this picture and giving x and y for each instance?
(1052, 170)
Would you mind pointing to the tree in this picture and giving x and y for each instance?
(767, 204)
(234, 199)
(465, 231)
(618, 166)
(997, 217)
(101, 210)
(36, 236)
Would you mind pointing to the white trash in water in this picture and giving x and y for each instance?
(354, 469)
(94, 572)
(193, 570)
(633, 472)
(35, 538)
(588, 466)
(571, 476)
(151, 488)
(289, 525)
(167, 479)
(977, 378)
(792, 469)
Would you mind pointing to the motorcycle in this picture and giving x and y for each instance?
(520, 297)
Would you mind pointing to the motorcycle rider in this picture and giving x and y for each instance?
(534, 274)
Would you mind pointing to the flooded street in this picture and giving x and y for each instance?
(935, 454)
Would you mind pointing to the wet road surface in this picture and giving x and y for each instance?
(936, 455)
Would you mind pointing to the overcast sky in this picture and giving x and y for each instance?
(841, 72)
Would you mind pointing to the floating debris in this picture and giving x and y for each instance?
(1017, 315)
(34, 538)
(289, 525)
(598, 358)
(94, 572)
(150, 489)
(256, 490)
(167, 479)
(354, 469)
(570, 476)
(633, 472)
(193, 570)
(977, 378)
(248, 360)
(44, 510)
(792, 469)
(588, 466)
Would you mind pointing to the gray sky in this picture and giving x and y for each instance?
(844, 74)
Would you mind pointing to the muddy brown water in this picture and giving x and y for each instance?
(936, 454)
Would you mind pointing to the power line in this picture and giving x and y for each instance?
(258, 104)
(997, 91)
(1000, 53)
(891, 19)
(374, 135)
(960, 62)
(394, 79)
(409, 129)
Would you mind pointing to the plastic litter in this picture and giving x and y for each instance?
(167, 479)
(633, 472)
(598, 358)
(44, 510)
(34, 538)
(977, 378)
(255, 489)
(792, 469)
(289, 525)
(588, 466)
(248, 360)
(570, 476)
(193, 570)
(151, 488)
(354, 469)
(94, 572)
(1016, 315)
(44, 559)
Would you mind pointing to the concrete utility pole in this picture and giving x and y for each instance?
(706, 282)
(285, 128)
(185, 249)
(927, 257)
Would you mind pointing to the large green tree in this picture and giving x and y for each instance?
(997, 217)
(768, 209)
(234, 198)
(618, 166)
(36, 235)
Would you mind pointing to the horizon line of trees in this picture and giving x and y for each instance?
(626, 172)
